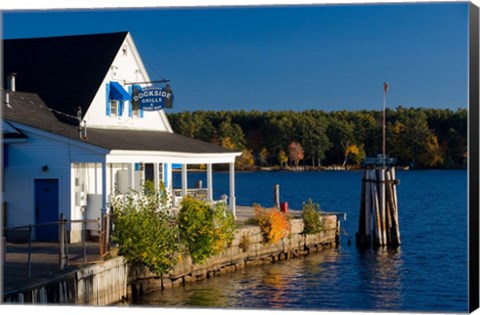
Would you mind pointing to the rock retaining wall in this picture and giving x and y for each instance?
(248, 248)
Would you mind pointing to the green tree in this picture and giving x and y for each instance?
(233, 132)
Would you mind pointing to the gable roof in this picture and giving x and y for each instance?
(44, 65)
(29, 109)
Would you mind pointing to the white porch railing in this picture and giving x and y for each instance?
(197, 193)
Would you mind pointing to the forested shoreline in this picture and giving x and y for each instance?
(416, 137)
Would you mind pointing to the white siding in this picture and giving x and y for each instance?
(125, 68)
(25, 165)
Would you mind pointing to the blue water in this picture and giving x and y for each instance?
(428, 272)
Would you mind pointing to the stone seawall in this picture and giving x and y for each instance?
(248, 248)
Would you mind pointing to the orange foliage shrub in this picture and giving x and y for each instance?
(273, 223)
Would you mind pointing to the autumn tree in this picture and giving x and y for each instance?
(354, 153)
(263, 156)
(295, 153)
(245, 161)
(282, 158)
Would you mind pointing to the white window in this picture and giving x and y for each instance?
(114, 108)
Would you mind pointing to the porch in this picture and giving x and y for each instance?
(93, 185)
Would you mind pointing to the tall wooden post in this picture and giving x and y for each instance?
(276, 195)
(361, 236)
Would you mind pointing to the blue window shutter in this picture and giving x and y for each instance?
(108, 99)
(137, 166)
(165, 174)
(130, 106)
(5, 155)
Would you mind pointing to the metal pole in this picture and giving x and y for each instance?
(29, 272)
(100, 237)
(83, 242)
(65, 240)
(61, 243)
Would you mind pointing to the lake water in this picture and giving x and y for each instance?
(428, 272)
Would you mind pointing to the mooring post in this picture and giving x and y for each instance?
(361, 234)
(276, 196)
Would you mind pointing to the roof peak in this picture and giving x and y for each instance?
(71, 36)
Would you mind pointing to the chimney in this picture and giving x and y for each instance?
(11, 82)
(7, 99)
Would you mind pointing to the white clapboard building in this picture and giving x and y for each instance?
(73, 136)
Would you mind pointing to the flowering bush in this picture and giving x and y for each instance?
(273, 223)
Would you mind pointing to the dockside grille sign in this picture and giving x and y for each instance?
(152, 98)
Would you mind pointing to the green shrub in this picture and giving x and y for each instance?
(251, 221)
(244, 242)
(311, 217)
(144, 231)
(205, 229)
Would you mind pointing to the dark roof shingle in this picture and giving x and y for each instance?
(66, 71)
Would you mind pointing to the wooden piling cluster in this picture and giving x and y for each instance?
(378, 222)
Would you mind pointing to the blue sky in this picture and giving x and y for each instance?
(327, 57)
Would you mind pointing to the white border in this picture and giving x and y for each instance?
(104, 4)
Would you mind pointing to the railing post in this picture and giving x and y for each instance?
(61, 242)
(106, 233)
(100, 237)
(83, 242)
(29, 270)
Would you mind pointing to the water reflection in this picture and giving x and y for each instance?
(382, 278)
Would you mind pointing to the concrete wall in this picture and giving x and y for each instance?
(239, 255)
(98, 285)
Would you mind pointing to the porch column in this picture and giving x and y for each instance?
(184, 180)
(232, 188)
(209, 183)
(104, 187)
(131, 177)
(156, 178)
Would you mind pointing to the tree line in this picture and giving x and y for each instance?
(416, 137)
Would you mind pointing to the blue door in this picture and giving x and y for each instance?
(46, 209)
